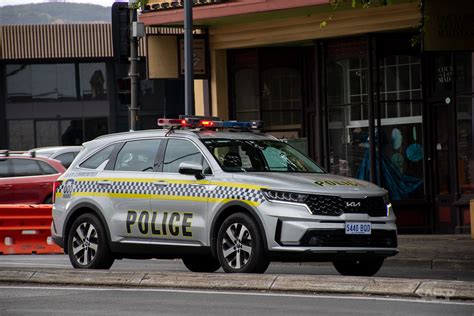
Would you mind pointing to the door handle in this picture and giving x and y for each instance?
(46, 185)
(104, 182)
(160, 184)
(7, 186)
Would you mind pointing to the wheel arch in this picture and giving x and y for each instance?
(227, 210)
(77, 211)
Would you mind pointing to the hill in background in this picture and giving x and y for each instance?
(54, 13)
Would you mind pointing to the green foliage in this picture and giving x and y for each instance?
(54, 13)
(140, 4)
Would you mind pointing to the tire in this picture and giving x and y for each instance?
(367, 267)
(240, 247)
(201, 263)
(87, 244)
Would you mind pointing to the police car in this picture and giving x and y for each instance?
(216, 194)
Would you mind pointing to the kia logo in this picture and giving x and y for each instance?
(353, 204)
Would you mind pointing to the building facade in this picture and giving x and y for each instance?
(60, 85)
(357, 89)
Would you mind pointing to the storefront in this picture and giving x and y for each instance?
(354, 93)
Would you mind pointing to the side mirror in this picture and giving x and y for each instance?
(191, 169)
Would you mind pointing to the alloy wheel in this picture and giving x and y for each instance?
(85, 243)
(237, 245)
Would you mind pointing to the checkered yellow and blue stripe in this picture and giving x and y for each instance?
(172, 189)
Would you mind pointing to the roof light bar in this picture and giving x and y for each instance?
(211, 122)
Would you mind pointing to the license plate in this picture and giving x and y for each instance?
(354, 228)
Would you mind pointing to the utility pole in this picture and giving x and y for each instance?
(188, 58)
(133, 73)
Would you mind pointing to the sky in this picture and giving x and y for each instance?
(105, 3)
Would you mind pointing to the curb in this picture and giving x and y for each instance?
(415, 288)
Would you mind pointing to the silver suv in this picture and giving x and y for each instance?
(235, 200)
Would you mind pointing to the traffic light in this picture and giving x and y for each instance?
(120, 31)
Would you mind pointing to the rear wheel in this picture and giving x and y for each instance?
(240, 246)
(87, 244)
(367, 267)
(201, 263)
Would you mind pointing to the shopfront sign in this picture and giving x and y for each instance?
(165, 56)
(448, 26)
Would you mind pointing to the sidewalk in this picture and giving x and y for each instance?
(421, 251)
(454, 252)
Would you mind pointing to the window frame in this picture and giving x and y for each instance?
(158, 157)
(163, 153)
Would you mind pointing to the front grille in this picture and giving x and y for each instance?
(337, 238)
(335, 206)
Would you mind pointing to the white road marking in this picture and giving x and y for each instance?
(323, 296)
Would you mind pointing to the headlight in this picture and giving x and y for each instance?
(386, 200)
(282, 196)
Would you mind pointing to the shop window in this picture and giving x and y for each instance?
(401, 135)
(400, 86)
(281, 97)
(47, 133)
(21, 134)
(18, 83)
(347, 114)
(93, 81)
(95, 127)
(71, 132)
(247, 106)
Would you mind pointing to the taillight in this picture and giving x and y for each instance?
(56, 185)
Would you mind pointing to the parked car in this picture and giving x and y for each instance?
(28, 180)
(65, 154)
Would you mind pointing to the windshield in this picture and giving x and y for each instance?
(235, 155)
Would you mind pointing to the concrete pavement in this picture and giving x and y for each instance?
(455, 252)
(417, 288)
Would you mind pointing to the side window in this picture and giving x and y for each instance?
(66, 159)
(4, 164)
(99, 158)
(178, 151)
(45, 168)
(25, 167)
(138, 155)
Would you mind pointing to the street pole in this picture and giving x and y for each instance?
(188, 58)
(133, 74)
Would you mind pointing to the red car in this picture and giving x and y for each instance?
(28, 180)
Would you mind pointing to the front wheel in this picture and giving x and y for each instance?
(201, 263)
(367, 267)
(240, 246)
(87, 244)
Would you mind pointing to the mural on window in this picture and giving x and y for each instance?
(401, 133)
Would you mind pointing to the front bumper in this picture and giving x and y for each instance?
(291, 229)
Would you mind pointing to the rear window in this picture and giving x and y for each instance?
(66, 159)
(100, 158)
(25, 167)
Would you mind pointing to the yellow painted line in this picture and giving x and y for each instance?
(162, 197)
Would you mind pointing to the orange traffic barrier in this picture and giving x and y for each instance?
(26, 229)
